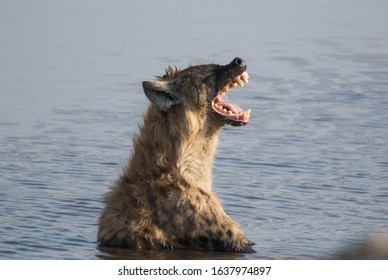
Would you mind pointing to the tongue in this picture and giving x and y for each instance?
(231, 107)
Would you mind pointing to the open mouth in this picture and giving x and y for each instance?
(229, 110)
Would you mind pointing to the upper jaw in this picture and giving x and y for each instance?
(229, 111)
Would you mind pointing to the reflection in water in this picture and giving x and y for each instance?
(111, 253)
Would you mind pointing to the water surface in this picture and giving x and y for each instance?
(307, 177)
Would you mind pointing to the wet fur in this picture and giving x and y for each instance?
(163, 199)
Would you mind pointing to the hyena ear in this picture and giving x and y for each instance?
(158, 92)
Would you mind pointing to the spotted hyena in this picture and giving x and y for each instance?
(163, 199)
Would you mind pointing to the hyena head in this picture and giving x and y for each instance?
(201, 89)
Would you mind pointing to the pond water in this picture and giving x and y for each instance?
(307, 177)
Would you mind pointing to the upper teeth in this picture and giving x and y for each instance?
(245, 77)
(238, 81)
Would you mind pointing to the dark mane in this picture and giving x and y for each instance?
(170, 73)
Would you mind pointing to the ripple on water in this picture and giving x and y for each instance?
(307, 174)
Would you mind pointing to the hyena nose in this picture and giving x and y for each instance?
(238, 61)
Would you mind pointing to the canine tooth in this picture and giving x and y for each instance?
(240, 83)
(245, 116)
(245, 78)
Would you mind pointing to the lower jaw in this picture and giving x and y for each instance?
(221, 121)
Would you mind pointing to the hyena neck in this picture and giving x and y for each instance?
(177, 144)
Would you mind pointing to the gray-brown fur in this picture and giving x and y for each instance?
(163, 199)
